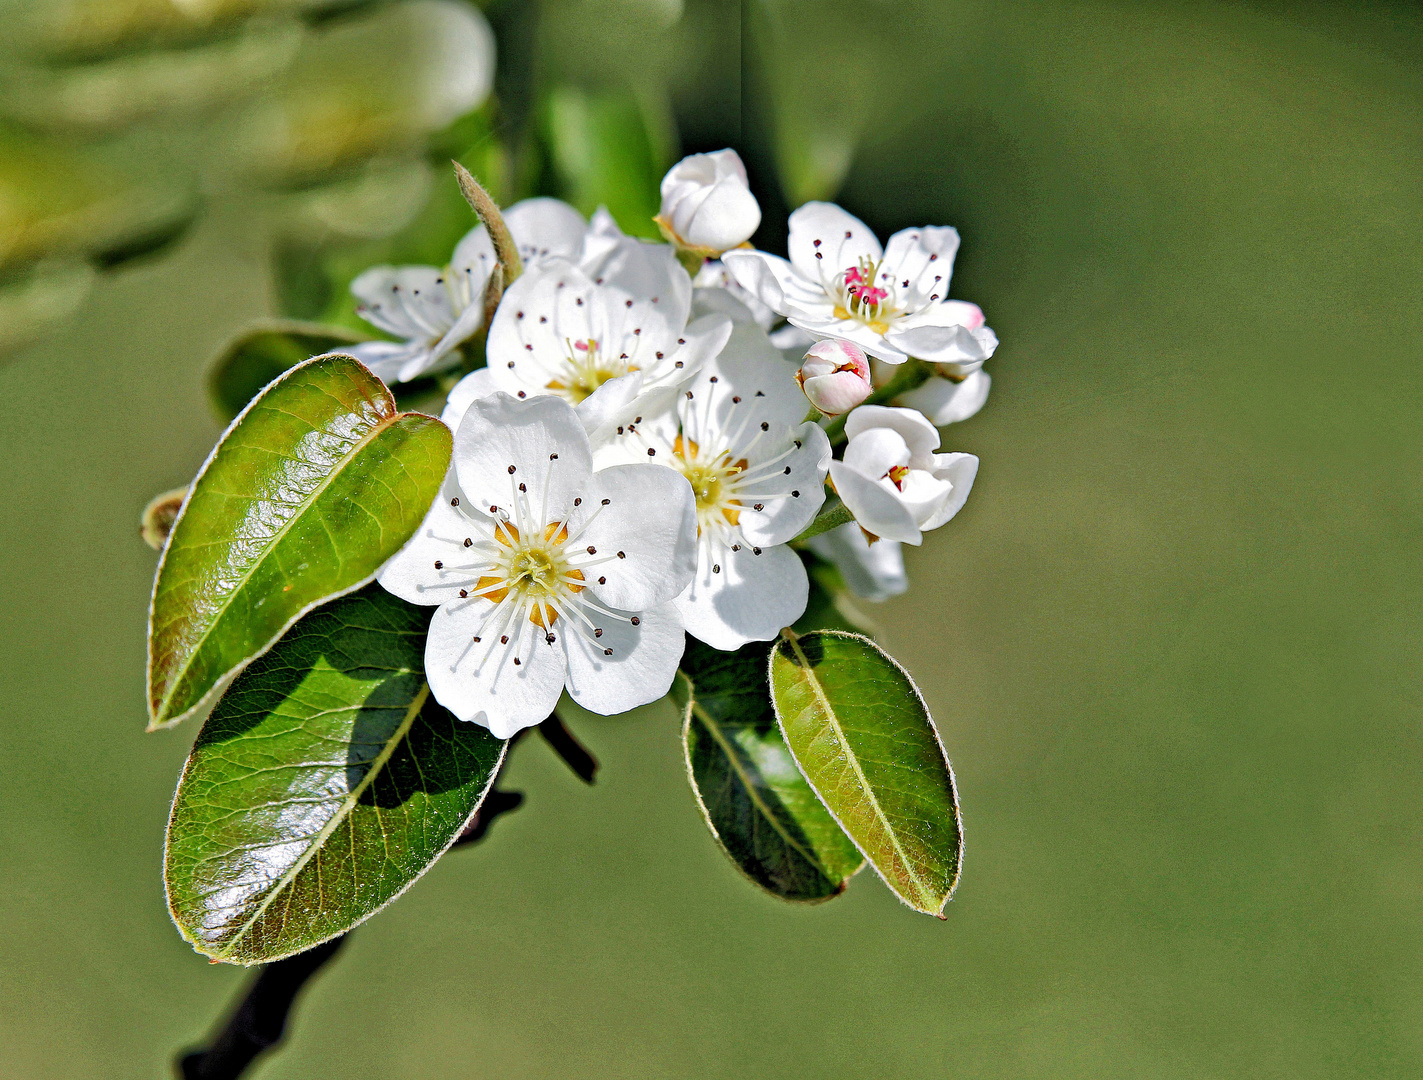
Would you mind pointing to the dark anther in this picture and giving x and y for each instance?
(522, 394)
(651, 451)
(817, 243)
(455, 501)
(516, 661)
(606, 501)
(681, 341)
(602, 581)
(524, 489)
(607, 652)
(659, 356)
(511, 470)
(503, 639)
(795, 494)
(494, 509)
(592, 550)
(463, 594)
(760, 393)
(577, 502)
(550, 639)
(439, 565)
(518, 314)
(622, 555)
(787, 470)
(759, 506)
(511, 363)
(468, 542)
(713, 379)
(476, 639)
(636, 621)
(820, 255)
(735, 547)
(736, 400)
(597, 631)
(765, 426)
(679, 363)
(847, 234)
(797, 444)
(553, 457)
(755, 551)
(628, 304)
(716, 568)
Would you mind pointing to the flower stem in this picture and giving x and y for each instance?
(834, 514)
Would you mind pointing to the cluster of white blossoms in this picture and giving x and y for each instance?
(645, 455)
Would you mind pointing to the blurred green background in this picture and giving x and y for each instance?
(1171, 642)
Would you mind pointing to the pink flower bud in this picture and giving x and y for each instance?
(835, 376)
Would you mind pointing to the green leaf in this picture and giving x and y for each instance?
(310, 490)
(756, 803)
(326, 781)
(861, 734)
(262, 353)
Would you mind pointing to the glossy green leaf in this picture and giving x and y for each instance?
(325, 782)
(861, 734)
(261, 353)
(310, 490)
(755, 801)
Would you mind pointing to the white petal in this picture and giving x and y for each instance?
(874, 507)
(871, 571)
(919, 435)
(824, 325)
(542, 227)
(480, 682)
(408, 301)
(542, 442)
(768, 278)
(465, 326)
(641, 669)
(641, 269)
(959, 470)
(875, 452)
(843, 241)
(924, 496)
(651, 519)
(784, 517)
(411, 573)
(475, 385)
(944, 401)
(965, 349)
(386, 358)
(750, 598)
(921, 261)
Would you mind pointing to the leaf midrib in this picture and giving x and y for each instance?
(338, 818)
(712, 726)
(854, 761)
(161, 714)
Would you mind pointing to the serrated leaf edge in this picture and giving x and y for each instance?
(794, 642)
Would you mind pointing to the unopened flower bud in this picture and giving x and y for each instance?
(707, 205)
(835, 376)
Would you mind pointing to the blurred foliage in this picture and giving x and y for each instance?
(334, 121)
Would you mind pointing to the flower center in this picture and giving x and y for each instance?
(585, 369)
(860, 298)
(535, 571)
(897, 474)
(712, 480)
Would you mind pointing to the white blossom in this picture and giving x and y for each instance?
(870, 571)
(892, 301)
(891, 479)
(548, 575)
(435, 310)
(616, 347)
(707, 205)
(757, 470)
(835, 376)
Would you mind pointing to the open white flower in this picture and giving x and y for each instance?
(891, 479)
(758, 473)
(613, 353)
(707, 205)
(436, 310)
(548, 575)
(870, 571)
(892, 302)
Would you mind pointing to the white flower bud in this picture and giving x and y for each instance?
(707, 205)
(835, 376)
